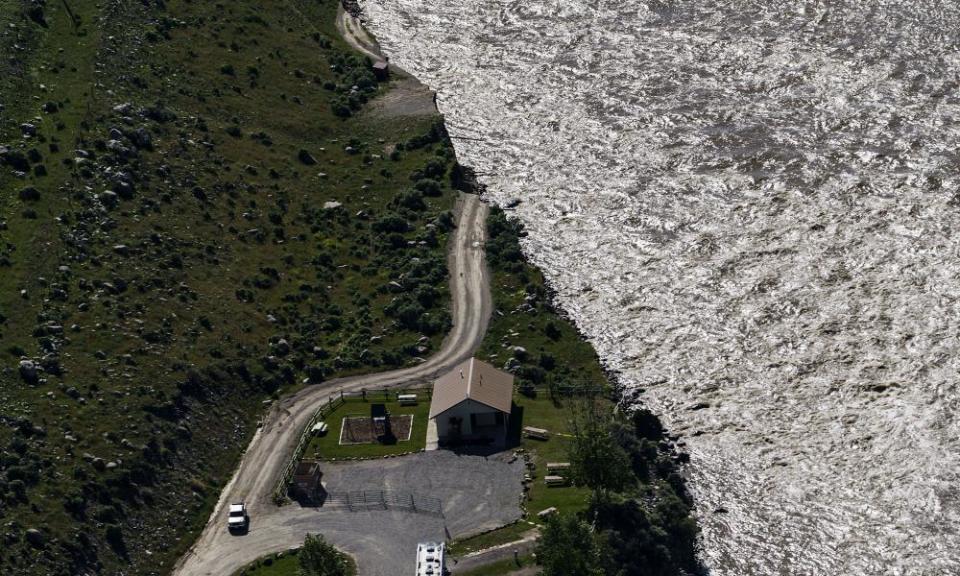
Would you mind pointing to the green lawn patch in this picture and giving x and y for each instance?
(509, 533)
(554, 416)
(283, 564)
(328, 447)
(503, 567)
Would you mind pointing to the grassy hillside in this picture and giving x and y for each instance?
(197, 211)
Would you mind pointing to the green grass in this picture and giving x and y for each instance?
(502, 568)
(542, 412)
(509, 533)
(160, 360)
(328, 446)
(283, 564)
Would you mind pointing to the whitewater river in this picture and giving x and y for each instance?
(752, 208)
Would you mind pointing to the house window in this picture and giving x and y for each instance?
(485, 419)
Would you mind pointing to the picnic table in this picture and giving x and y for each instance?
(538, 433)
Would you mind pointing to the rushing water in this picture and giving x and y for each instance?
(753, 210)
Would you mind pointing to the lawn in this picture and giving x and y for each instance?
(509, 533)
(504, 568)
(283, 564)
(542, 412)
(328, 446)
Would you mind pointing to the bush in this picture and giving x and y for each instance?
(429, 187)
(568, 548)
(320, 558)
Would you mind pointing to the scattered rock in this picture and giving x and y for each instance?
(35, 537)
(282, 347)
(15, 159)
(29, 372)
(109, 198)
(141, 138)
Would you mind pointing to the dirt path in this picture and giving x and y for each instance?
(407, 96)
(275, 528)
(503, 552)
(356, 35)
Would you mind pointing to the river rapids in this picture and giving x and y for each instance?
(752, 209)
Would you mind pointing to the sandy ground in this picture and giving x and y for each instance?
(407, 96)
(278, 528)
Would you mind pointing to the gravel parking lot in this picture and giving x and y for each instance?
(476, 493)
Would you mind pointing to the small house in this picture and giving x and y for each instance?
(381, 70)
(471, 404)
(306, 480)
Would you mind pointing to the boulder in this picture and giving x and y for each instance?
(108, 198)
(141, 138)
(35, 537)
(29, 372)
(15, 159)
(124, 189)
(306, 158)
(28, 129)
(282, 347)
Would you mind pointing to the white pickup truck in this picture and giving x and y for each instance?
(238, 521)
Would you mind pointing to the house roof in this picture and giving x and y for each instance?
(472, 380)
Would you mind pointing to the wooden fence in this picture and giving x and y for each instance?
(333, 403)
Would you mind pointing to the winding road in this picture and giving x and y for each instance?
(276, 528)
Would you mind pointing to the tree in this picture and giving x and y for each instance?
(596, 459)
(319, 558)
(568, 548)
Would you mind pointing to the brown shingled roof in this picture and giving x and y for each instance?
(474, 380)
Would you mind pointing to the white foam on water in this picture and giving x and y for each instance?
(752, 208)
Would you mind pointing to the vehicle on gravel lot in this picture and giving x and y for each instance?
(238, 521)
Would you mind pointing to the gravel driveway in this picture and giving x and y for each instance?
(476, 493)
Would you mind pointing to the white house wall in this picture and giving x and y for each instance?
(462, 410)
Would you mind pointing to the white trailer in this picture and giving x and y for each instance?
(430, 559)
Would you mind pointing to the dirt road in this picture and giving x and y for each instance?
(275, 528)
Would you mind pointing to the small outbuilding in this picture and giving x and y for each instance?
(381, 69)
(306, 480)
(471, 404)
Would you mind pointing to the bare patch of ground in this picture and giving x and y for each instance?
(407, 97)
(361, 430)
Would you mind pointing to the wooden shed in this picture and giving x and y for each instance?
(306, 479)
